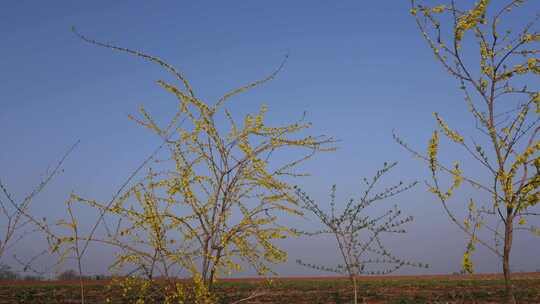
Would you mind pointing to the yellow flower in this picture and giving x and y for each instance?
(536, 99)
(531, 63)
(466, 262)
(453, 135)
(438, 9)
(530, 37)
(432, 150)
(471, 19)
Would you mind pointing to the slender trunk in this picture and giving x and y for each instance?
(81, 283)
(355, 290)
(205, 262)
(210, 284)
(214, 268)
(508, 233)
(210, 276)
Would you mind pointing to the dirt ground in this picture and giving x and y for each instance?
(478, 288)
(446, 277)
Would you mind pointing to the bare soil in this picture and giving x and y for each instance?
(477, 288)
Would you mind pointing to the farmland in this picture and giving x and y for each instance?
(486, 288)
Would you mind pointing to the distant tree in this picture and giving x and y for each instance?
(6, 273)
(31, 277)
(358, 234)
(215, 199)
(497, 71)
(68, 275)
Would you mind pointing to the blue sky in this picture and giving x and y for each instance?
(360, 71)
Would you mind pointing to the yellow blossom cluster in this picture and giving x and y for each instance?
(457, 179)
(531, 66)
(453, 135)
(470, 19)
(432, 150)
(466, 262)
(438, 9)
(530, 38)
(536, 99)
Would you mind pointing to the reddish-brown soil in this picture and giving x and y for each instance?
(436, 277)
(479, 288)
(480, 276)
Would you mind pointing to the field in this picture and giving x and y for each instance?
(485, 288)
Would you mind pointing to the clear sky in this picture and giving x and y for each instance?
(359, 68)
